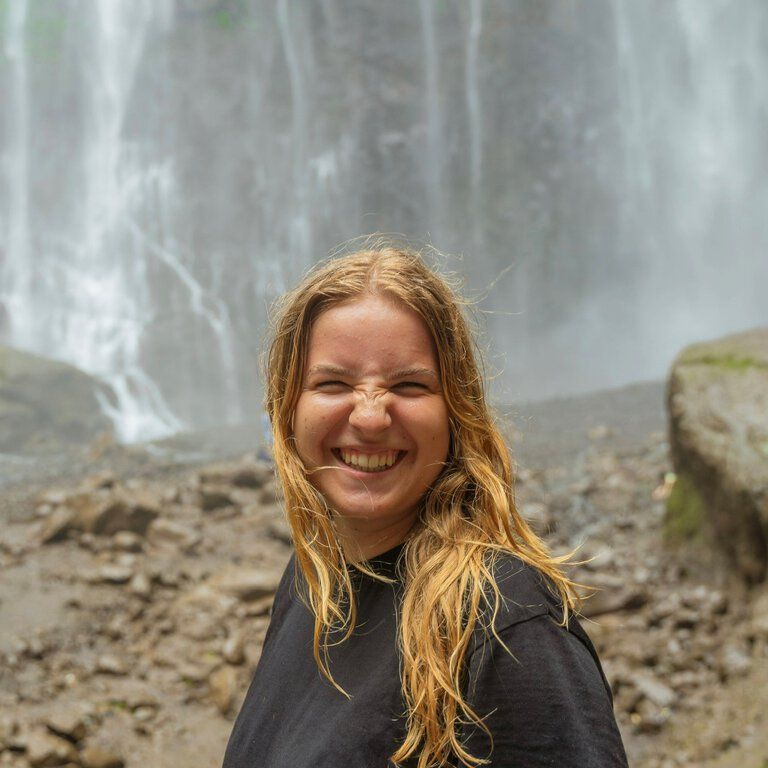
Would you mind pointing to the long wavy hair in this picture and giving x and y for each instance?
(467, 518)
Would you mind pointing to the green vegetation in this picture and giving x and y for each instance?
(686, 511)
(729, 361)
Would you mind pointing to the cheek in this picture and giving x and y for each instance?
(312, 425)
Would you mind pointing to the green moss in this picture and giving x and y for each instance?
(730, 362)
(686, 511)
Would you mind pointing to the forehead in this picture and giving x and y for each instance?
(370, 331)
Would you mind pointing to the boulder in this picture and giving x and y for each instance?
(105, 512)
(45, 750)
(717, 398)
(57, 526)
(246, 583)
(169, 532)
(67, 724)
(46, 404)
(238, 474)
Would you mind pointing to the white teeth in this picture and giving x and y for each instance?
(369, 462)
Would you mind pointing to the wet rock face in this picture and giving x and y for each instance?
(718, 420)
(45, 404)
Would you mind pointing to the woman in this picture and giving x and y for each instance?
(421, 622)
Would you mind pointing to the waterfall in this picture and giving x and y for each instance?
(433, 173)
(16, 305)
(475, 118)
(301, 236)
(169, 167)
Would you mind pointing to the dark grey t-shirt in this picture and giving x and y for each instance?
(548, 706)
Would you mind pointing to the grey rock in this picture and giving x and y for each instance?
(141, 585)
(68, 724)
(246, 583)
(57, 526)
(654, 690)
(95, 756)
(114, 574)
(127, 541)
(278, 529)
(240, 475)
(175, 534)
(110, 664)
(234, 649)
(734, 661)
(105, 513)
(45, 750)
(214, 497)
(717, 399)
(222, 685)
(46, 404)
(605, 601)
(538, 516)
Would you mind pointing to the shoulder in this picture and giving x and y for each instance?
(524, 592)
(530, 614)
(285, 594)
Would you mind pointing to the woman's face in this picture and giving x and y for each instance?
(371, 419)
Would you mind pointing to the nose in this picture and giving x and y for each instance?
(370, 412)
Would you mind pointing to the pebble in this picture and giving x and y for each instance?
(246, 583)
(141, 585)
(234, 648)
(114, 574)
(654, 690)
(99, 757)
(109, 664)
(222, 684)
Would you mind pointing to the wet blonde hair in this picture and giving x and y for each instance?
(467, 518)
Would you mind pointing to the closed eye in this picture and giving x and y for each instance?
(406, 385)
(331, 384)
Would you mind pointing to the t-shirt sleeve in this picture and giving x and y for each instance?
(547, 705)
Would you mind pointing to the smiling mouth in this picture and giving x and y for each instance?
(369, 462)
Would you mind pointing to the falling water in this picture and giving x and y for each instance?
(14, 277)
(299, 228)
(433, 175)
(170, 166)
(475, 118)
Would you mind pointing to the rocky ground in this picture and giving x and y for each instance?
(135, 596)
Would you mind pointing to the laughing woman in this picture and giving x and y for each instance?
(420, 622)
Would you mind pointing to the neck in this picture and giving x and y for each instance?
(361, 544)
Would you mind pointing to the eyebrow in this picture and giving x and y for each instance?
(331, 370)
(402, 373)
